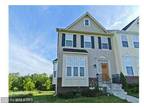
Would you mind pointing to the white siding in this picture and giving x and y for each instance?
(75, 60)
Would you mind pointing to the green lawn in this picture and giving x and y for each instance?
(134, 94)
(49, 97)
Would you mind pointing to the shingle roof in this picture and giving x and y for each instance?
(74, 50)
(127, 26)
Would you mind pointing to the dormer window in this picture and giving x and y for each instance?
(86, 22)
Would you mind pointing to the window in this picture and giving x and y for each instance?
(81, 71)
(104, 43)
(69, 43)
(86, 22)
(135, 42)
(69, 40)
(124, 41)
(75, 71)
(128, 64)
(87, 42)
(69, 71)
(54, 74)
(129, 70)
(75, 65)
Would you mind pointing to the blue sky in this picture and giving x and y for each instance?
(33, 36)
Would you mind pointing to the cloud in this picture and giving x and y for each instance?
(26, 62)
(115, 17)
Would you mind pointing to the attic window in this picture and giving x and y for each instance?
(86, 22)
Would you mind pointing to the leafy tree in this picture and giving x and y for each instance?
(29, 84)
(48, 84)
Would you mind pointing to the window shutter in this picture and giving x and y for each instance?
(99, 42)
(92, 41)
(82, 41)
(74, 41)
(63, 39)
(109, 42)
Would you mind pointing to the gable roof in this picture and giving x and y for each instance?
(92, 18)
(127, 26)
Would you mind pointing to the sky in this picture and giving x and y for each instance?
(33, 36)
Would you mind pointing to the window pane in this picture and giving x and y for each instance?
(68, 71)
(81, 71)
(87, 44)
(68, 43)
(86, 22)
(105, 46)
(136, 44)
(124, 43)
(129, 70)
(54, 74)
(75, 71)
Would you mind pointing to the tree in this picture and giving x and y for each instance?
(48, 84)
(15, 82)
(29, 84)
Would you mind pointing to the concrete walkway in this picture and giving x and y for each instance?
(116, 90)
(132, 99)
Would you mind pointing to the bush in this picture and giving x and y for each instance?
(123, 81)
(67, 95)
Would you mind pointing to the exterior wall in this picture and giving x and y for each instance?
(134, 27)
(130, 51)
(95, 56)
(61, 89)
(92, 28)
(72, 81)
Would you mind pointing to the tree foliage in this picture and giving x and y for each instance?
(123, 81)
(40, 82)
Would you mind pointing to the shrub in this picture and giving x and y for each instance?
(123, 81)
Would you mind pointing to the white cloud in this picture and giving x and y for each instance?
(26, 62)
(118, 18)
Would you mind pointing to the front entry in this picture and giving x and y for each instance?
(105, 71)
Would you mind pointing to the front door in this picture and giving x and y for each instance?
(105, 71)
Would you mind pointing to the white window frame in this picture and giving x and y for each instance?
(75, 61)
(88, 22)
(69, 37)
(104, 40)
(135, 39)
(128, 62)
(87, 39)
(124, 38)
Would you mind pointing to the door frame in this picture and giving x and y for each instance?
(99, 69)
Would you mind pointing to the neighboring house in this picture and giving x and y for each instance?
(87, 51)
(126, 48)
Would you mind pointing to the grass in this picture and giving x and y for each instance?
(49, 97)
(134, 94)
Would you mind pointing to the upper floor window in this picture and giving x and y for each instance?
(135, 41)
(69, 40)
(104, 43)
(86, 22)
(124, 41)
(87, 42)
